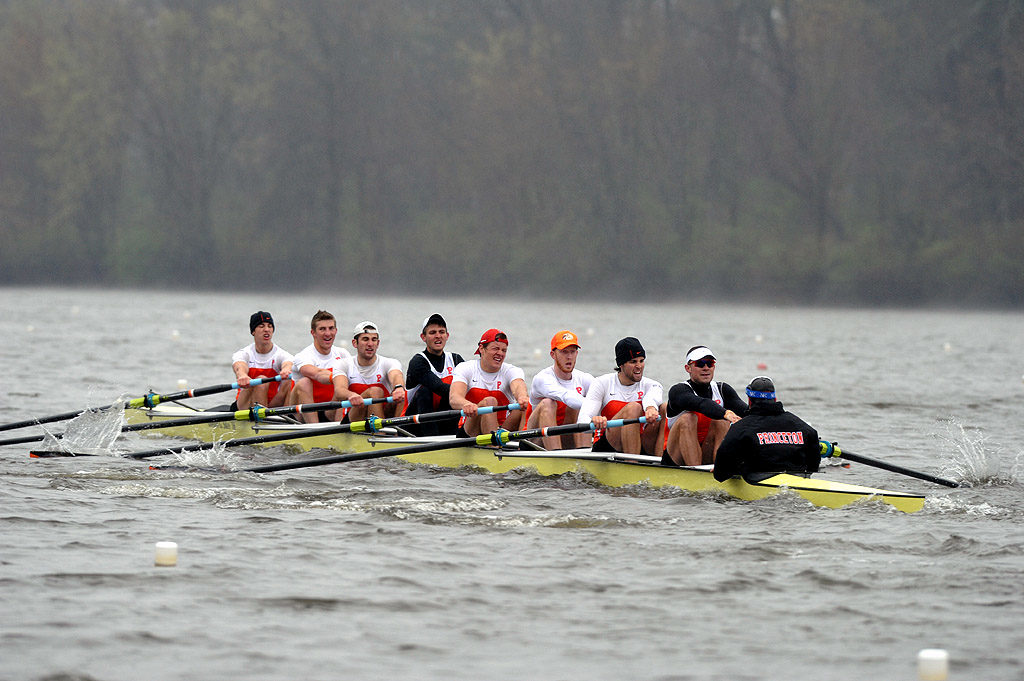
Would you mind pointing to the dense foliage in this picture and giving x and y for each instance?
(852, 151)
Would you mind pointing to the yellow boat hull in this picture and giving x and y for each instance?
(818, 491)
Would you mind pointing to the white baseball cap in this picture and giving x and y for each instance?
(699, 352)
(365, 327)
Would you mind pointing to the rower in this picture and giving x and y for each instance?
(699, 411)
(489, 382)
(626, 394)
(429, 378)
(314, 366)
(557, 392)
(768, 439)
(368, 374)
(261, 358)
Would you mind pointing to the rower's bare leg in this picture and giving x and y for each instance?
(378, 408)
(281, 398)
(363, 411)
(654, 435)
(545, 415)
(250, 396)
(575, 440)
(682, 445)
(244, 398)
(626, 439)
(709, 448)
(482, 423)
(302, 393)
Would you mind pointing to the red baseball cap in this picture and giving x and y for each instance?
(489, 336)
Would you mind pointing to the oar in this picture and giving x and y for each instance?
(498, 438)
(264, 411)
(149, 401)
(256, 413)
(829, 449)
(370, 425)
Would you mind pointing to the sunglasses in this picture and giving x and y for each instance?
(703, 363)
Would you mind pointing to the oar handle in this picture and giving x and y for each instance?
(829, 449)
(501, 437)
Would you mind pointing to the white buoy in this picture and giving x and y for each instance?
(948, 347)
(182, 384)
(166, 554)
(175, 335)
(933, 664)
(536, 352)
(758, 338)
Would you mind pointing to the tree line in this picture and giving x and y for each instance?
(815, 151)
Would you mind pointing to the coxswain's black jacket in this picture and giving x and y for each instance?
(767, 440)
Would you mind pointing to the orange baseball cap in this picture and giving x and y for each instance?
(564, 339)
(489, 336)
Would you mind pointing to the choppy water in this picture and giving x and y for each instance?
(381, 569)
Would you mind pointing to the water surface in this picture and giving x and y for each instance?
(381, 569)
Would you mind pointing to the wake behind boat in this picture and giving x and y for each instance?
(611, 469)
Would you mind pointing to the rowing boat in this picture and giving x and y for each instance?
(606, 469)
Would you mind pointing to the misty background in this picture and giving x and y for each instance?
(853, 152)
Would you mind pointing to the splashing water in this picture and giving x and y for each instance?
(974, 462)
(218, 457)
(94, 430)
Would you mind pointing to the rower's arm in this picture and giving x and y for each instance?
(341, 391)
(520, 392)
(457, 395)
(733, 402)
(545, 385)
(241, 370)
(398, 383)
(682, 398)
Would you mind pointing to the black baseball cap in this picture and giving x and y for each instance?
(626, 349)
(761, 388)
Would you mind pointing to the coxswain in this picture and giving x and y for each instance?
(768, 439)
(429, 378)
(261, 359)
(700, 411)
(489, 382)
(368, 374)
(626, 394)
(557, 393)
(314, 366)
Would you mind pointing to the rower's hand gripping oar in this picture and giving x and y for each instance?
(498, 437)
(370, 425)
(148, 401)
(830, 449)
(255, 414)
